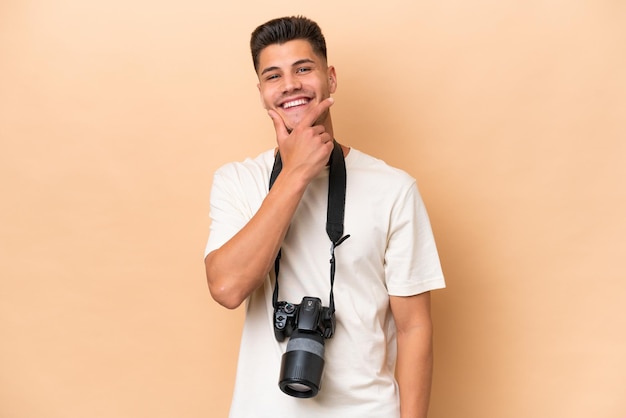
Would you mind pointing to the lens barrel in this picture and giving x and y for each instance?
(302, 365)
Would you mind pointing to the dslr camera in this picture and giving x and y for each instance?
(307, 325)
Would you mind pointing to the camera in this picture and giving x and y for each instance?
(307, 325)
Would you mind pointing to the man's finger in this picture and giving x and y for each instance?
(314, 114)
(279, 124)
(318, 130)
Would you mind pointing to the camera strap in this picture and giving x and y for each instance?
(334, 214)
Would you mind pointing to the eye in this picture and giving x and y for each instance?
(302, 70)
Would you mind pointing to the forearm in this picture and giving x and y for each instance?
(241, 265)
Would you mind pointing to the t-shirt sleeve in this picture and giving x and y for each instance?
(227, 209)
(412, 263)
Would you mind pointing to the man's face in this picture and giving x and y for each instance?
(293, 79)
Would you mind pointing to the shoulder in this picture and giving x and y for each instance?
(251, 169)
(369, 168)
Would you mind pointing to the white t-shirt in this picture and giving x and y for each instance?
(391, 251)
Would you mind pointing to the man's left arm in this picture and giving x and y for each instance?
(415, 352)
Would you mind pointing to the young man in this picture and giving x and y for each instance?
(378, 361)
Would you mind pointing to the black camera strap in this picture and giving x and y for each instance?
(334, 214)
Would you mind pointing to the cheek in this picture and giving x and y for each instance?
(264, 101)
(267, 99)
(262, 95)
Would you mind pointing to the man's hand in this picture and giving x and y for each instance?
(241, 265)
(306, 149)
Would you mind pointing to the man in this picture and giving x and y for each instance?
(378, 362)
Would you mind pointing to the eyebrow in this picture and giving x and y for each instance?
(295, 64)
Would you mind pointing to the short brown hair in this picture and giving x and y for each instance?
(285, 29)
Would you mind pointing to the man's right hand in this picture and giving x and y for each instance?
(241, 265)
(306, 149)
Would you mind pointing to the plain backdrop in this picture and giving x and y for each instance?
(114, 114)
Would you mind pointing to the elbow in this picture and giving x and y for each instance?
(225, 295)
(221, 287)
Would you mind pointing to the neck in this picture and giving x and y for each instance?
(328, 126)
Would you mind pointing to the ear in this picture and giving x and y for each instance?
(258, 86)
(332, 79)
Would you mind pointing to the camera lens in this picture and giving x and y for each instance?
(302, 365)
(298, 387)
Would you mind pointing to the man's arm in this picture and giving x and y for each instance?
(415, 353)
(241, 265)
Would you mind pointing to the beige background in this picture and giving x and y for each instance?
(114, 114)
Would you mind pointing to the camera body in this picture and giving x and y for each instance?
(307, 325)
(309, 316)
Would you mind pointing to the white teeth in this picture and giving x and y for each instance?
(295, 103)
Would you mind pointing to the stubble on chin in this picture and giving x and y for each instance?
(319, 121)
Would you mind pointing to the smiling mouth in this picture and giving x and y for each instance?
(294, 103)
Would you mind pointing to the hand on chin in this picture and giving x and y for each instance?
(292, 120)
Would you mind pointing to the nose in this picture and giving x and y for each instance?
(291, 83)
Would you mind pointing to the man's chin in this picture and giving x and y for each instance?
(291, 123)
(292, 120)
